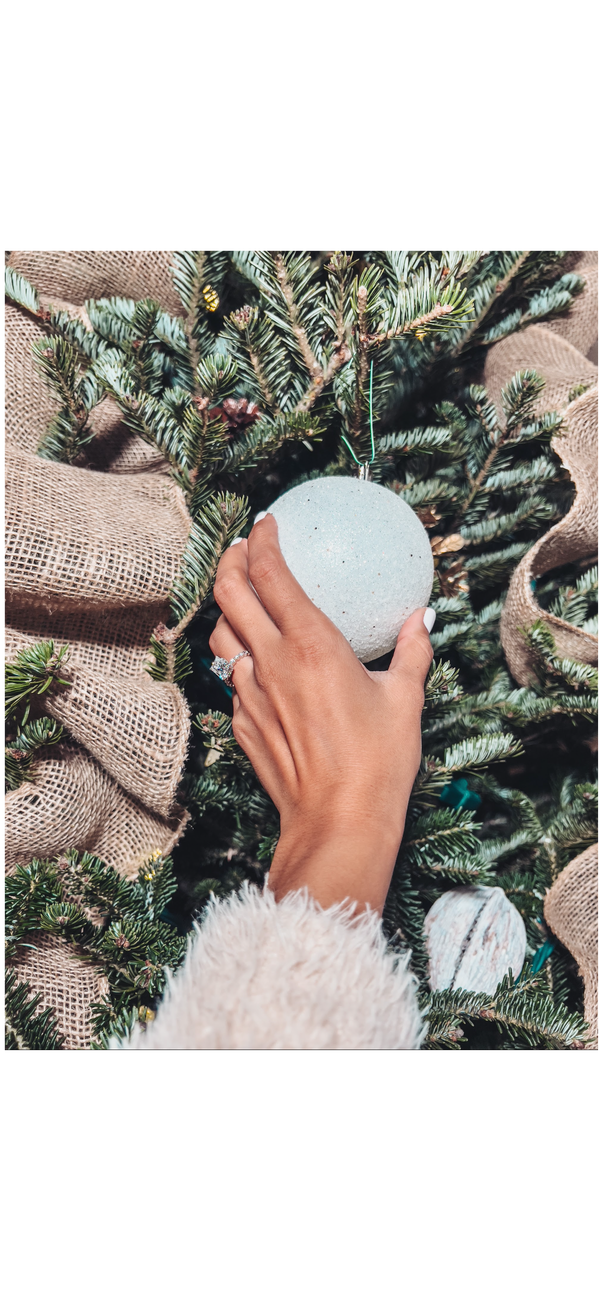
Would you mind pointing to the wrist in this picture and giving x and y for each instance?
(337, 859)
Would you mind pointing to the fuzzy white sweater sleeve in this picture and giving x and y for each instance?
(287, 976)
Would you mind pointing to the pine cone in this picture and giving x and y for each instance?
(240, 414)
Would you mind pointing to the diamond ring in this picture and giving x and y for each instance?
(223, 668)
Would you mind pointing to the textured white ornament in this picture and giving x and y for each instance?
(474, 936)
(360, 553)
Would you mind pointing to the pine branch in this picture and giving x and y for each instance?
(404, 920)
(34, 671)
(442, 844)
(442, 687)
(519, 1010)
(237, 795)
(68, 432)
(220, 742)
(499, 288)
(468, 755)
(198, 277)
(265, 438)
(552, 670)
(485, 569)
(361, 363)
(532, 511)
(430, 303)
(522, 474)
(261, 358)
(556, 298)
(219, 521)
(189, 278)
(21, 292)
(523, 889)
(20, 750)
(534, 708)
(422, 440)
(114, 922)
(24, 1028)
(518, 399)
(574, 603)
(171, 657)
(315, 370)
(295, 309)
(86, 342)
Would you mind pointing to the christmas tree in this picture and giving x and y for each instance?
(281, 367)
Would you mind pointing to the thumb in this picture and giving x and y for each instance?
(413, 653)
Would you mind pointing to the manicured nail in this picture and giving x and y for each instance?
(429, 619)
(236, 542)
(262, 515)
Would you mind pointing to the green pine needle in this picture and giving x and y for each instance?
(24, 1028)
(215, 526)
(35, 670)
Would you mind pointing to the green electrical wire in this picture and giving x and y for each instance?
(370, 425)
(371, 415)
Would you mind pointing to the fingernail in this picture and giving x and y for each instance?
(236, 542)
(262, 515)
(429, 619)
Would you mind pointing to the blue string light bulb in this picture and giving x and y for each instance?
(457, 794)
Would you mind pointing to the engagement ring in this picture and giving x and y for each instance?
(223, 668)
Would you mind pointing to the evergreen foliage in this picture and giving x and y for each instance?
(21, 747)
(24, 1028)
(286, 366)
(35, 671)
(116, 923)
(522, 1011)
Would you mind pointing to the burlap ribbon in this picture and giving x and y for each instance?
(77, 276)
(73, 802)
(571, 905)
(65, 983)
(92, 553)
(90, 556)
(571, 911)
(565, 372)
(30, 403)
(574, 537)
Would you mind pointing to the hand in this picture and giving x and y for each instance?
(336, 747)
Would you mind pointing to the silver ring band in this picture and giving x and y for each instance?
(223, 668)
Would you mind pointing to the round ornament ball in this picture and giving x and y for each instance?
(474, 935)
(360, 553)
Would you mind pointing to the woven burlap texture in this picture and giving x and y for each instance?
(571, 911)
(30, 404)
(74, 536)
(102, 640)
(74, 803)
(91, 558)
(92, 552)
(135, 727)
(576, 535)
(579, 325)
(77, 276)
(66, 984)
(560, 364)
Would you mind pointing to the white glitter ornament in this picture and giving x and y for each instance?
(360, 553)
(474, 935)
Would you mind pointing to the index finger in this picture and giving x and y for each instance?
(239, 602)
(282, 596)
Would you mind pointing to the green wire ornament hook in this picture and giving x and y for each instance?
(364, 469)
